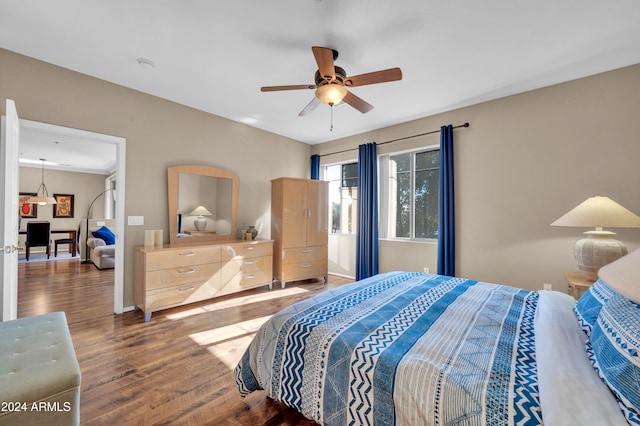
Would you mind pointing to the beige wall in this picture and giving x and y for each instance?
(525, 161)
(159, 134)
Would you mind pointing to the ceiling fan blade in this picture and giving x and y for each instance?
(357, 103)
(292, 87)
(310, 107)
(324, 59)
(392, 74)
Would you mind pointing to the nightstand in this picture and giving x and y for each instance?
(579, 282)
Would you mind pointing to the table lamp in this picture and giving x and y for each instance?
(599, 247)
(201, 221)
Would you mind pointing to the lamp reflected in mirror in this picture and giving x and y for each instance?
(200, 223)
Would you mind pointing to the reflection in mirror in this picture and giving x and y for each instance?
(202, 204)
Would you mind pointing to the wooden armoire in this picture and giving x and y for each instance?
(299, 228)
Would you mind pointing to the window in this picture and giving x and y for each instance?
(343, 197)
(409, 194)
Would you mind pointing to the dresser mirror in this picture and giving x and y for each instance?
(203, 204)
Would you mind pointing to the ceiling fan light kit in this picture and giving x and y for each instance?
(331, 94)
(331, 83)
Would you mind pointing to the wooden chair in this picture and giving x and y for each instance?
(68, 241)
(38, 235)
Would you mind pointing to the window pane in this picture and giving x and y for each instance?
(426, 194)
(428, 160)
(349, 210)
(426, 204)
(343, 200)
(400, 195)
(332, 174)
(350, 175)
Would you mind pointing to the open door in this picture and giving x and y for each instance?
(9, 207)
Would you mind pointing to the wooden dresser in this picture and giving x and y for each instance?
(299, 228)
(176, 275)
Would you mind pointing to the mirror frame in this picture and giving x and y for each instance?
(173, 173)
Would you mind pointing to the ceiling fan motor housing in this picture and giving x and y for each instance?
(341, 76)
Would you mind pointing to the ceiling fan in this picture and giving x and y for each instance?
(331, 83)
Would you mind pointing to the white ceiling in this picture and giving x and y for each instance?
(215, 56)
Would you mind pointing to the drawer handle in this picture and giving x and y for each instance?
(188, 271)
(307, 250)
(249, 248)
(183, 289)
(248, 277)
(249, 262)
(307, 265)
(189, 253)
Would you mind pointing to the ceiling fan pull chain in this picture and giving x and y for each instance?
(331, 128)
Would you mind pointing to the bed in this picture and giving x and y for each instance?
(409, 348)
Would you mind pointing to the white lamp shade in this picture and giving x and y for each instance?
(200, 211)
(42, 201)
(599, 212)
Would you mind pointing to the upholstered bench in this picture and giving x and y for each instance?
(39, 372)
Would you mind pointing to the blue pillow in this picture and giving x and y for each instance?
(588, 306)
(614, 348)
(105, 234)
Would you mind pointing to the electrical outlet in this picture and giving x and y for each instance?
(426, 269)
(547, 286)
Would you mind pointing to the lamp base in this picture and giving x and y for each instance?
(597, 250)
(200, 223)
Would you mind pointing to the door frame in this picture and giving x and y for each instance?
(10, 139)
(120, 143)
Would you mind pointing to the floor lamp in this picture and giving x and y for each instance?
(86, 234)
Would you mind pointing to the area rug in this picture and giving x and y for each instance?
(42, 257)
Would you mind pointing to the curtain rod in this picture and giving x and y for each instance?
(395, 140)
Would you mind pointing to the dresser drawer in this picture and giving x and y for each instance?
(246, 280)
(303, 270)
(304, 254)
(180, 257)
(163, 278)
(181, 294)
(246, 250)
(246, 265)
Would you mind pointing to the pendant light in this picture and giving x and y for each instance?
(43, 199)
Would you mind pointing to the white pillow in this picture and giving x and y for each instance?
(623, 275)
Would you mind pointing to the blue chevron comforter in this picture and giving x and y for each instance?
(402, 348)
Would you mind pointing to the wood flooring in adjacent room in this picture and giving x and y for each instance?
(175, 369)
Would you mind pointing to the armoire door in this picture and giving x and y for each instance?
(294, 214)
(317, 214)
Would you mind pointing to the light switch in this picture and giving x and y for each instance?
(135, 220)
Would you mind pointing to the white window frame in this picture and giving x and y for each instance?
(384, 230)
(323, 173)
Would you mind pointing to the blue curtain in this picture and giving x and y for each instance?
(315, 167)
(446, 217)
(367, 232)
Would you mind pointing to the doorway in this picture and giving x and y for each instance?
(88, 144)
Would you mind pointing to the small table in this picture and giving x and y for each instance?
(73, 234)
(579, 282)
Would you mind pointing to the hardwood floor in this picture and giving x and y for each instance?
(81, 290)
(177, 368)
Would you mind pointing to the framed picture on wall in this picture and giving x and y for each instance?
(27, 209)
(64, 208)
